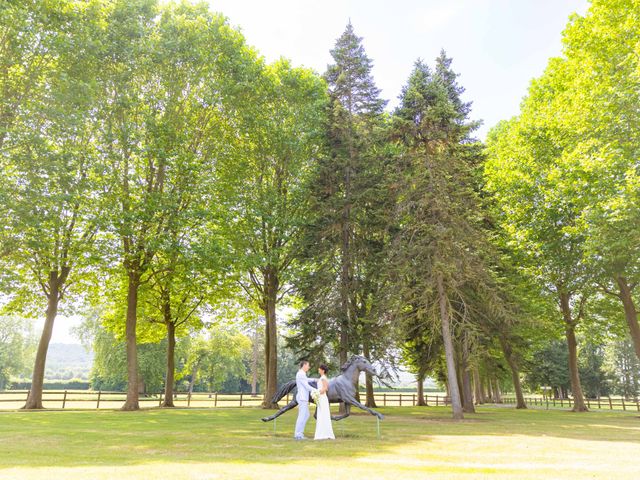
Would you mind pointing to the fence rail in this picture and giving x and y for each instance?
(88, 399)
(602, 403)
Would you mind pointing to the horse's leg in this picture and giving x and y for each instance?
(356, 403)
(347, 412)
(292, 404)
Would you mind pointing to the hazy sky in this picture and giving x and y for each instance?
(497, 46)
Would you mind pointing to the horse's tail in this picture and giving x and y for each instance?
(283, 390)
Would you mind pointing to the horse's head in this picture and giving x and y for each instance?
(360, 363)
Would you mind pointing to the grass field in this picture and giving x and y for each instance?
(416, 443)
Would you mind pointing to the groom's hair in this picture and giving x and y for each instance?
(303, 363)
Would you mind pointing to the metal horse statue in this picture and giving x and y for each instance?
(341, 389)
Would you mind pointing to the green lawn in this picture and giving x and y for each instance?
(416, 443)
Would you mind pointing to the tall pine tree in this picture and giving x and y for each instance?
(346, 237)
(437, 253)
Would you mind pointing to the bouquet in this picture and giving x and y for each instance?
(315, 394)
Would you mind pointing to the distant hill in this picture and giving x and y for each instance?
(68, 360)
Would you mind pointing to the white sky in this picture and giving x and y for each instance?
(497, 46)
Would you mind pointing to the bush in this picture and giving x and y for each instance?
(72, 384)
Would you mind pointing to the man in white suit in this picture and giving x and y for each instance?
(304, 390)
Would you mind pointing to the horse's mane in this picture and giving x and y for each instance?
(348, 363)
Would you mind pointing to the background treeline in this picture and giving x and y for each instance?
(162, 180)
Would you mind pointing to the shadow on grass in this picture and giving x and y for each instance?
(109, 438)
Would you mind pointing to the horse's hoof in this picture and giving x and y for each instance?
(265, 419)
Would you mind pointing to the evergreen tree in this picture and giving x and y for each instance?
(437, 252)
(346, 237)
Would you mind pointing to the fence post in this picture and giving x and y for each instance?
(240, 398)
(189, 399)
(624, 407)
(414, 400)
(64, 399)
(599, 403)
(400, 397)
(384, 399)
(437, 397)
(98, 403)
(610, 404)
(215, 400)
(160, 401)
(588, 404)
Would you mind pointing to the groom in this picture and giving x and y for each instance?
(302, 397)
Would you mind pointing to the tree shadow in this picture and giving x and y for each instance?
(109, 438)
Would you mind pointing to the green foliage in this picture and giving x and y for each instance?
(216, 357)
(264, 186)
(16, 348)
(548, 368)
(623, 367)
(594, 378)
(564, 172)
(48, 159)
(109, 371)
(69, 384)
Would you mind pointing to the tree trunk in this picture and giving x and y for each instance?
(452, 378)
(34, 399)
(515, 373)
(171, 350)
(271, 339)
(496, 390)
(194, 373)
(468, 393)
(345, 304)
(370, 400)
(132, 402)
(486, 383)
(630, 312)
(459, 377)
(467, 397)
(478, 387)
(254, 363)
(576, 388)
(345, 254)
(420, 382)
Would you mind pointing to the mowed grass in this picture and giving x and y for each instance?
(416, 443)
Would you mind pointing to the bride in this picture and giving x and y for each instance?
(324, 430)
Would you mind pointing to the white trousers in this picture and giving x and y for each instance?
(303, 416)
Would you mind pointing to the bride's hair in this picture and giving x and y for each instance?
(324, 368)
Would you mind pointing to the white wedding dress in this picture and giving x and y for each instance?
(324, 430)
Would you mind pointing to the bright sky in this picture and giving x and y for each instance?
(497, 46)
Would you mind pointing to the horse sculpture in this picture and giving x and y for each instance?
(341, 389)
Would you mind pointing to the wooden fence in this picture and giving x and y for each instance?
(602, 403)
(87, 399)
